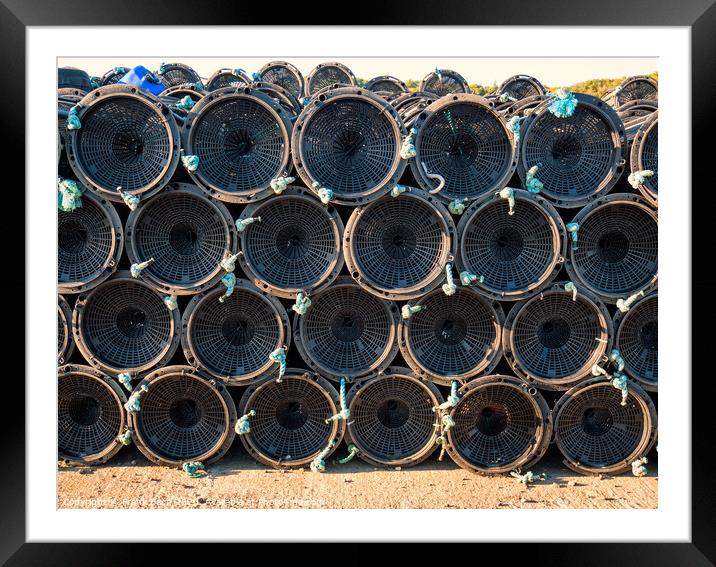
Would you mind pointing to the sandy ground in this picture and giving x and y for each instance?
(131, 481)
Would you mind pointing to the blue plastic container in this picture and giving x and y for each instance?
(143, 78)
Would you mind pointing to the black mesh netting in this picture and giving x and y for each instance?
(284, 75)
(618, 248)
(174, 74)
(347, 331)
(235, 338)
(392, 418)
(522, 87)
(454, 335)
(226, 78)
(468, 144)
(646, 150)
(326, 75)
(89, 415)
(124, 324)
(447, 82)
(65, 344)
(386, 85)
(513, 252)
(636, 89)
(183, 417)
(113, 76)
(295, 246)
(637, 339)
(185, 233)
(289, 424)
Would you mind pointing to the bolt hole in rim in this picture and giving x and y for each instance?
(392, 422)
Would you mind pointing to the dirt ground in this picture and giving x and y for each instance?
(236, 481)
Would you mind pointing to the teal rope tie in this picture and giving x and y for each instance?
(407, 150)
(229, 281)
(617, 359)
(69, 195)
(468, 278)
(508, 193)
(439, 74)
(125, 438)
(137, 269)
(96, 82)
(278, 356)
(171, 302)
(457, 206)
(199, 86)
(194, 469)
(228, 264)
(190, 162)
(242, 425)
(637, 178)
(120, 70)
(280, 184)
(564, 103)
(344, 412)
(306, 101)
(319, 463)
(352, 452)
(507, 97)
(303, 302)
(446, 423)
(243, 224)
(528, 478)
(186, 103)
(73, 121)
(132, 201)
(534, 185)
(621, 382)
(452, 399)
(125, 378)
(162, 69)
(624, 304)
(573, 230)
(134, 403)
(569, 286)
(451, 123)
(239, 72)
(324, 194)
(514, 125)
(409, 310)
(449, 287)
(256, 77)
(638, 467)
(398, 190)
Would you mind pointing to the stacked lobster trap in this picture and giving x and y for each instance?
(306, 262)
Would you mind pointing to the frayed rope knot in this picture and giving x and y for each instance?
(187, 103)
(514, 125)
(398, 190)
(569, 286)
(534, 185)
(171, 302)
(242, 425)
(243, 224)
(573, 230)
(194, 469)
(278, 356)
(344, 412)
(229, 281)
(450, 287)
(509, 194)
(616, 359)
(528, 478)
(280, 184)
(69, 195)
(468, 278)
(190, 162)
(507, 97)
(125, 438)
(303, 302)
(134, 403)
(125, 378)
(624, 304)
(446, 423)
(638, 467)
(136, 269)
(407, 150)
(621, 382)
(319, 463)
(132, 201)
(228, 264)
(409, 310)
(452, 399)
(73, 121)
(564, 103)
(324, 194)
(457, 206)
(637, 178)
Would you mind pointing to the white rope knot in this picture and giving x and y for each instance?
(229, 282)
(564, 103)
(278, 356)
(573, 230)
(344, 412)
(638, 467)
(125, 378)
(457, 206)
(324, 194)
(507, 97)
(190, 162)
(125, 438)
(243, 224)
(136, 269)
(452, 399)
(534, 185)
(242, 425)
(133, 404)
(450, 287)
(69, 195)
(514, 125)
(407, 149)
(616, 359)
(319, 463)
(509, 194)
(171, 302)
(409, 310)
(398, 190)
(132, 201)
(229, 262)
(280, 184)
(528, 478)
(637, 178)
(303, 302)
(569, 286)
(468, 278)
(624, 304)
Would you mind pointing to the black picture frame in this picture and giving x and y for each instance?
(698, 15)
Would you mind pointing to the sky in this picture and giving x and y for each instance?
(551, 71)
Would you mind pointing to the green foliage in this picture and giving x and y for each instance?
(412, 85)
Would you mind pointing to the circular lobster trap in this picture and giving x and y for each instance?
(295, 247)
(289, 427)
(325, 75)
(598, 435)
(453, 337)
(284, 97)
(633, 88)
(285, 75)
(241, 137)
(645, 157)
(89, 244)
(578, 158)
(194, 91)
(465, 149)
(616, 253)
(113, 76)
(386, 85)
(174, 74)
(74, 78)
(410, 105)
(227, 78)
(233, 340)
(90, 415)
(128, 138)
(501, 424)
(348, 140)
(552, 340)
(184, 416)
(65, 344)
(392, 422)
(637, 338)
(66, 99)
(123, 325)
(514, 255)
(397, 247)
(521, 107)
(187, 234)
(443, 82)
(519, 87)
(347, 332)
